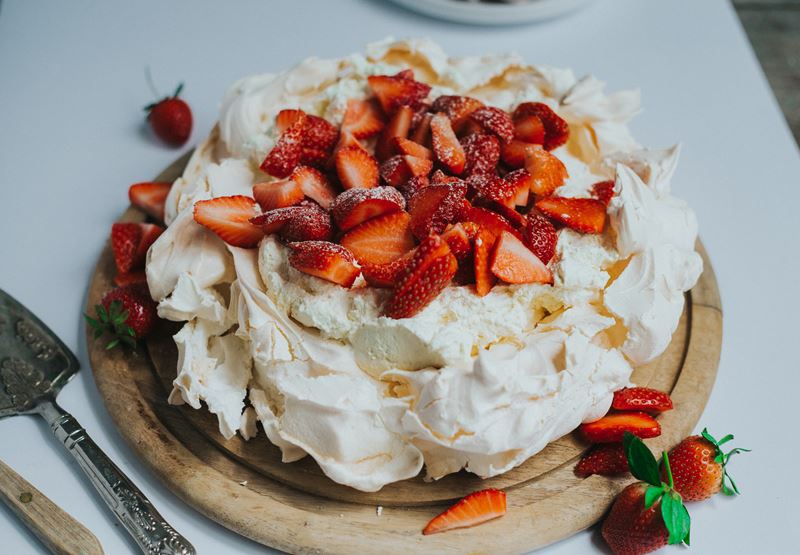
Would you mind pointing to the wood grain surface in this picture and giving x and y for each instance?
(294, 507)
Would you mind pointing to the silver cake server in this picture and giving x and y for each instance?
(34, 366)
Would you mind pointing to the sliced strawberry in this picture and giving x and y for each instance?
(476, 508)
(606, 459)
(286, 118)
(405, 73)
(319, 134)
(325, 260)
(448, 150)
(434, 207)
(459, 238)
(380, 240)
(427, 274)
(314, 185)
(355, 206)
(394, 91)
(603, 191)
(385, 275)
(138, 276)
(304, 222)
(457, 108)
(407, 146)
(274, 220)
(484, 278)
(513, 262)
(421, 134)
(413, 186)
(490, 221)
(513, 153)
(529, 129)
(642, 399)
(363, 119)
(482, 153)
(587, 215)
(398, 126)
(516, 219)
(540, 236)
(314, 157)
(612, 427)
(495, 121)
(556, 130)
(398, 169)
(521, 181)
(548, 172)
(438, 177)
(150, 198)
(129, 243)
(229, 218)
(285, 155)
(356, 168)
(492, 187)
(277, 194)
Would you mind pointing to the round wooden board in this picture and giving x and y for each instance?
(295, 508)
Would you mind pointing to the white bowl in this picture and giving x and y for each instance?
(479, 13)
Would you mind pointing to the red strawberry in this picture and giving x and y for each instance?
(130, 241)
(434, 207)
(698, 467)
(448, 150)
(482, 153)
(277, 194)
(413, 186)
(457, 108)
(475, 508)
(398, 169)
(171, 118)
(605, 459)
(438, 177)
(398, 126)
(407, 73)
(582, 214)
(407, 146)
(484, 278)
(513, 262)
(603, 191)
(516, 219)
(314, 185)
(127, 313)
(309, 222)
(521, 181)
(356, 168)
(150, 198)
(121, 280)
(513, 153)
(556, 130)
(540, 236)
(325, 260)
(394, 91)
(274, 220)
(385, 275)
(529, 129)
(494, 121)
(380, 240)
(229, 218)
(319, 135)
(285, 155)
(492, 222)
(427, 274)
(459, 238)
(548, 173)
(363, 119)
(492, 187)
(286, 118)
(421, 134)
(612, 427)
(641, 398)
(355, 206)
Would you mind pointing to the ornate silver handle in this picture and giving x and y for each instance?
(148, 528)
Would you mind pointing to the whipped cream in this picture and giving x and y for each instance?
(479, 383)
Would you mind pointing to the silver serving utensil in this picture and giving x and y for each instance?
(34, 366)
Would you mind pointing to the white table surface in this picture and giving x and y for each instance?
(72, 140)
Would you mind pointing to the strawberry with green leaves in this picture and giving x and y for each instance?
(646, 515)
(170, 118)
(126, 313)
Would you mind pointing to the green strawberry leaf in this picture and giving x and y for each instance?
(676, 518)
(641, 461)
(652, 495)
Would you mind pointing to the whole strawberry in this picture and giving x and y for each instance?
(698, 467)
(646, 515)
(171, 118)
(126, 313)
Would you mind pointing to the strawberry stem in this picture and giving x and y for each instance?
(668, 469)
(178, 90)
(149, 78)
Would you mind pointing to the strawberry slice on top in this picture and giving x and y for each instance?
(285, 155)
(435, 206)
(355, 206)
(548, 173)
(314, 185)
(356, 168)
(324, 260)
(513, 262)
(363, 119)
(277, 194)
(398, 126)
(129, 243)
(475, 508)
(586, 215)
(457, 108)
(484, 278)
(394, 91)
(380, 240)
(446, 146)
(229, 218)
(150, 197)
(556, 130)
(482, 153)
(495, 121)
(398, 169)
(603, 191)
(540, 236)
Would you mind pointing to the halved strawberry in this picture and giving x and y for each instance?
(448, 150)
(521, 181)
(612, 427)
(513, 262)
(513, 153)
(355, 206)
(643, 399)
(603, 191)
(274, 220)
(229, 218)
(509, 213)
(398, 126)
(394, 91)
(138, 276)
(495, 121)
(308, 223)
(413, 186)
(363, 119)
(556, 130)
(490, 221)
(587, 215)
(325, 260)
(435, 206)
(380, 240)
(407, 146)
(529, 129)
(540, 236)
(285, 155)
(484, 278)
(457, 108)
(548, 172)
(398, 169)
(429, 271)
(150, 197)
(314, 185)
(475, 508)
(606, 459)
(438, 177)
(286, 118)
(459, 238)
(356, 168)
(421, 134)
(482, 153)
(129, 243)
(407, 73)
(384, 275)
(492, 187)
(319, 134)
(277, 194)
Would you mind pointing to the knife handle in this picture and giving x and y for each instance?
(148, 528)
